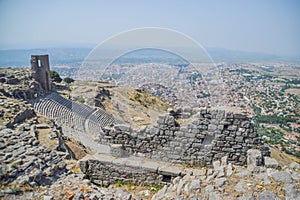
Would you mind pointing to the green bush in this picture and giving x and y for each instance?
(68, 80)
(55, 76)
(155, 187)
(273, 119)
(81, 100)
(119, 183)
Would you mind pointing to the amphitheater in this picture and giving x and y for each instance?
(79, 121)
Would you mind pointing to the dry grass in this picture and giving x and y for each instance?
(283, 158)
(43, 137)
(77, 149)
(135, 107)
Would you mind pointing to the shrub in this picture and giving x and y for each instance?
(119, 183)
(68, 80)
(155, 187)
(81, 100)
(55, 76)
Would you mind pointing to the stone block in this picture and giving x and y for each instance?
(214, 121)
(154, 131)
(179, 134)
(190, 135)
(161, 119)
(169, 120)
(220, 127)
(212, 127)
(231, 139)
(183, 129)
(216, 164)
(170, 170)
(252, 134)
(225, 122)
(220, 114)
(254, 158)
(236, 146)
(232, 128)
(203, 127)
(294, 165)
(271, 162)
(220, 143)
(239, 139)
(185, 115)
(240, 116)
(117, 150)
(122, 127)
(197, 145)
(291, 192)
(195, 131)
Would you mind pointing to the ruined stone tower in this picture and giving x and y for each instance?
(41, 70)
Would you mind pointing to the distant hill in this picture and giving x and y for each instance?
(225, 55)
(75, 56)
(57, 56)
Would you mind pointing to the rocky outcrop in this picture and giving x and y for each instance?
(22, 116)
(15, 112)
(32, 171)
(19, 84)
(24, 161)
(226, 181)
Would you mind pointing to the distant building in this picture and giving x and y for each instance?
(41, 70)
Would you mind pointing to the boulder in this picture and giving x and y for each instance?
(239, 187)
(117, 150)
(254, 158)
(282, 177)
(271, 163)
(267, 195)
(291, 192)
(295, 165)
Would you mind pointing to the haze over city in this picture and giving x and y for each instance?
(271, 27)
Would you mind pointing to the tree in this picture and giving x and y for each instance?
(68, 80)
(55, 76)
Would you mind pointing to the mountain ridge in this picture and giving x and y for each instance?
(75, 56)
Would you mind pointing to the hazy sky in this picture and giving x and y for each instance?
(270, 26)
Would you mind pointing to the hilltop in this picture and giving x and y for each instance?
(40, 159)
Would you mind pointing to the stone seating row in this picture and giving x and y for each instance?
(72, 114)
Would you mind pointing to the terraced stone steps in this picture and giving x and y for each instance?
(80, 122)
(72, 114)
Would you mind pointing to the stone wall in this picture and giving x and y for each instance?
(211, 135)
(104, 169)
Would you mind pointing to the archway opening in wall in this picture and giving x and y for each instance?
(166, 178)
